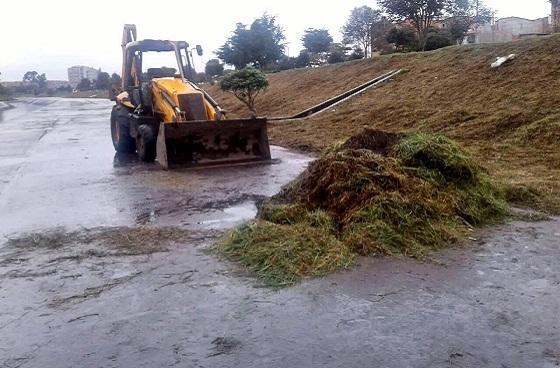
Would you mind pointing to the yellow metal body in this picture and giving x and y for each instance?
(165, 89)
(190, 128)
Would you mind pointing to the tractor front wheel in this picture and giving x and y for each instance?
(146, 143)
(120, 134)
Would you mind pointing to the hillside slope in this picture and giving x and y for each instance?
(508, 117)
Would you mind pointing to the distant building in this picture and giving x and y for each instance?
(515, 28)
(79, 72)
(509, 29)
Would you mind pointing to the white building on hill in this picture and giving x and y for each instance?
(79, 72)
(510, 29)
(516, 28)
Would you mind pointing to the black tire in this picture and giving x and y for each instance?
(146, 143)
(120, 133)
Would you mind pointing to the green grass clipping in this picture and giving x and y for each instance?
(376, 194)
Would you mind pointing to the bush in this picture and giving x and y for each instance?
(404, 38)
(245, 84)
(199, 77)
(303, 60)
(84, 85)
(285, 63)
(214, 68)
(437, 39)
(335, 57)
(356, 54)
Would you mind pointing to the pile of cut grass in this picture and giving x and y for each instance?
(376, 194)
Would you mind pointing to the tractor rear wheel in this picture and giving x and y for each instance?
(146, 143)
(122, 141)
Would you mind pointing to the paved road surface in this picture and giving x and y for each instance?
(77, 301)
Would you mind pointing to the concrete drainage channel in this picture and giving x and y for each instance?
(331, 102)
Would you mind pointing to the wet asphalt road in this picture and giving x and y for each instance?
(494, 302)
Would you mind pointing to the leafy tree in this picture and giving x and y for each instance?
(303, 60)
(438, 38)
(116, 79)
(379, 32)
(103, 81)
(199, 77)
(286, 63)
(245, 84)
(421, 13)
(42, 81)
(116, 86)
(358, 28)
(337, 54)
(316, 40)
(38, 81)
(214, 68)
(84, 85)
(356, 54)
(403, 38)
(259, 45)
(30, 76)
(465, 14)
(458, 29)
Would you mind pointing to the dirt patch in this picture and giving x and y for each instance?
(224, 345)
(118, 241)
(44, 254)
(385, 195)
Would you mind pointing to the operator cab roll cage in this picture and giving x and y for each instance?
(132, 56)
(132, 75)
(133, 59)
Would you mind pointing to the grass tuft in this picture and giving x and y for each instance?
(281, 255)
(437, 157)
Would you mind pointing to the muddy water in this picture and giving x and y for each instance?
(116, 271)
(66, 173)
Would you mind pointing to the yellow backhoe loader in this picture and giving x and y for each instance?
(161, 113)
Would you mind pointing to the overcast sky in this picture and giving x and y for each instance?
(50, 36)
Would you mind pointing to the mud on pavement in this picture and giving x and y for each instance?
(105, 262)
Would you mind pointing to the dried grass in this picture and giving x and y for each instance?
(118, 240)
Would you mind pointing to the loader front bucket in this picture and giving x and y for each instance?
(212, 143)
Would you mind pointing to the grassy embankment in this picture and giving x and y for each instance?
(508, 118)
